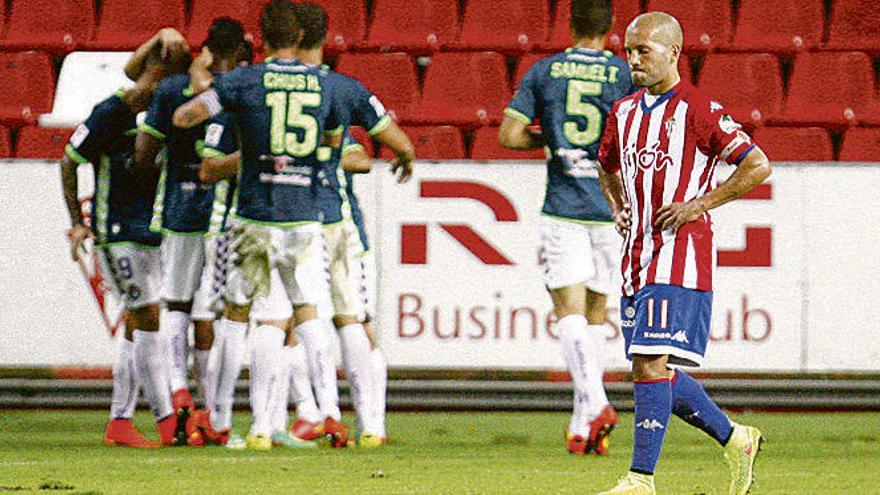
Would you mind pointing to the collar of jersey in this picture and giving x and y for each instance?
(646, 109)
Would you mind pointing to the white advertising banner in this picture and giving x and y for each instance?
(460, 283)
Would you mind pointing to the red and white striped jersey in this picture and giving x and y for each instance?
(666, 149)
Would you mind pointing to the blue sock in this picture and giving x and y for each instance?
(653, 408)
(690, 403)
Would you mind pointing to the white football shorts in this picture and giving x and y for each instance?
(208, 299)
(133, 272)
(183, 258)
(348, 282)
(275, 306)
(575, 253)
(296, 252)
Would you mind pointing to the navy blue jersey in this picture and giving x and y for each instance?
(283, 108)
(336, 196)
(221, 139)
(571, 93)
(183, 203)
(121, 205)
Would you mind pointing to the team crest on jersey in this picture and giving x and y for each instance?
(728, 125)
(647, 158)
(715, 106)
(669, 126)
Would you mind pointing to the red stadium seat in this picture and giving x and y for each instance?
(828, 89)
(124, 25)
(487, 147)
(854, 26)
(57, 25)
(779, 26)
(623, 10)
(42, 142)
(347, 24)
(433, 143)
(795, 143)
(749, 85)
(390, 76)
(361, 136)
(5, 148)
(526, 62)
(415, 27)
(28, 83)
(860, 145)
(205, 11)
(514, 26)
(706, 23)
(466, 89)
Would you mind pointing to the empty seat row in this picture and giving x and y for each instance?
(448, 143)
(428, 25)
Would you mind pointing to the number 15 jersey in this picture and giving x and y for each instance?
(571, 93)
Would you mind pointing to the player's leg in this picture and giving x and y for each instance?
(207, 303)
(309, 424)
(347, 289)
(304, 275)
(378, 364)
(120, 429)
(567, 267)
(286, 384)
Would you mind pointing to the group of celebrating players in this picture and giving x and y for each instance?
(176, 219)
(255, 158)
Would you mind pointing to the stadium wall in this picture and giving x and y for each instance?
(460, 281)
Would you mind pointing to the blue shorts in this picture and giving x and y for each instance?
(667, 319)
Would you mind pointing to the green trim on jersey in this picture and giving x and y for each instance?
(351, 148)
(74, 155)
(516, 114)
(218, 208)
(170, 232)
(274, 224)
(335, 132)
(159, 202)
(108, 245)
(380, 126)
(148, 129)
(207, 152)
(102, 199)
(575, 220)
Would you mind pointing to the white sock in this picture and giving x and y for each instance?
(125, 383)
(580, 359)
(224, 366)
(380, 384)
(315, 335)
(300, 384)
(153, 369)
(175, 324)
(281, 396)
(356, 361)
(265, 366)
(200, 365)
(595, 339)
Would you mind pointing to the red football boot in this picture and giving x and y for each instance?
(185, 408)
(576, 444)
(601, 427)
(305, 430)
(171, 433)
(209, 434)
(336, 432)
(123, 432)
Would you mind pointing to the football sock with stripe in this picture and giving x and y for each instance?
(153, 370)
(200, 366)
(380, 384)
(175, 325)
(316, 336)
(653, 408)
(300, 384)
(356, 360)
(581, 350)
(691, 403)
(265, 371)
(224, 366)
(281, 395)
(125, 382)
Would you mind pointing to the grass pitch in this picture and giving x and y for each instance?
(454, 453)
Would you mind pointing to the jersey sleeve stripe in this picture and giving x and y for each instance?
(516, 114)
(380, 126)
(351, 148)
(207, 152)
(148, 129)
(335, 132)
(74, 155)
(742, 155)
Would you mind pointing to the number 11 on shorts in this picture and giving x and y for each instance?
(664, 312)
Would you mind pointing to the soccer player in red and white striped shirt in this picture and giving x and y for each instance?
(658, 155)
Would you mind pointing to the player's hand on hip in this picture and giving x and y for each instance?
(77, 236)
(402, 166)
(623, 219)
(674, 215)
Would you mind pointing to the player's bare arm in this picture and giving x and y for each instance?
(172, 42)
(199, 71)
(146, 148)
(612, 188)
(398, 142)
(753, 170)
(78, 232)
(194, 112)
(517, 135)
(356, 161)
(221, 168)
